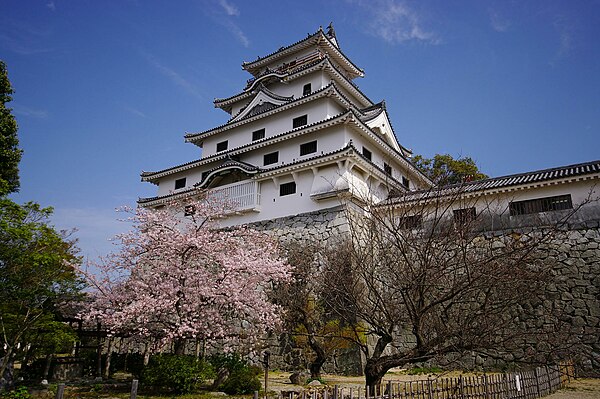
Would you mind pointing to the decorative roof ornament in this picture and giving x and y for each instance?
(330, 30)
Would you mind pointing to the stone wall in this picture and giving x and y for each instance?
(575, 291)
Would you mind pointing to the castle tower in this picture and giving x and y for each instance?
(300, 135)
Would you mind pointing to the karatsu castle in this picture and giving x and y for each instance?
(301, 134)
(302, 140)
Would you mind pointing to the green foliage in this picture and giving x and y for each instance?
(230, 361)
(17, 393)
(242, 381)
(177, 373)
(131, 362)
(36, 275)
(10, 154)
(443, 169)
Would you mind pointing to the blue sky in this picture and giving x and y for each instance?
(106, 89)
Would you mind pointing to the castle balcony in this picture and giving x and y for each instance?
(240, 197)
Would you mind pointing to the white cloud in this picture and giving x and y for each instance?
(51, 6)
(229, 8)
(134, 111)
(237, 32)
(395, 22)
(498, 22)
(173, 75)
(29, 112)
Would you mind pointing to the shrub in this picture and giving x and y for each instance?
(181, 374)
(17, 393)
(242, 381)
(230, 361)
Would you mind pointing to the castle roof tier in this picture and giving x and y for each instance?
(300, 134)
(288, 56)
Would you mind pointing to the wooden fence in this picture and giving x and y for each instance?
(531, 384)
(520, 385)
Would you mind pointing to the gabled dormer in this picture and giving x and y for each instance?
(377, 118)
(264, 100)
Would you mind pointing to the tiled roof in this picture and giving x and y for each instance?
(249, 65)
(538, 176)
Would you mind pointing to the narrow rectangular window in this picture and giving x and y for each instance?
(306, 90)
(366, 153)
(405, 182)
(546, 204)
(258, 134)
(222, 146)
(271, 158)
(180, 183)
(287, 189)
(308, 148)
(464, 216)
(300, 121)
(410, 222)
(387, 169)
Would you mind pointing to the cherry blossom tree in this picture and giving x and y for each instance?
(178, 276)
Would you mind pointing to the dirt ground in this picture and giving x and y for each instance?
(583, 388)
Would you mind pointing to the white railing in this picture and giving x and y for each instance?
(242, 196)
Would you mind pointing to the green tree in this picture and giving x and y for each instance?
(36, 276)
(443, 169)
(10, 154)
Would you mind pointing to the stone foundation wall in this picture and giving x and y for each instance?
(575, 291)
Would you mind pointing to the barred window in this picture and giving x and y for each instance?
(464, 216)
(410, 222)
(387, 169)
(546, 204)
(222, 146)
(405, 182)
(308, 148)
(271, 158)
(180, 183)
(258, 134)
(287, 189)
(367, 154)
(300, 121)
(306, 90)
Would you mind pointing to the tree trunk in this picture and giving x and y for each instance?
(320, 359)
(45, 375)
(179, 346)
(108, 357)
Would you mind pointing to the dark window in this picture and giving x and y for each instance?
(179, 183)
(546, 204)
(258, 134)
(189, 210)
(204, 174)
(410, 222)
(308, 148)
(287, 189)
(464, 216)
(387, 169)
(271, 158)
(405, 182)
(222, 146)
(367, 153)
(306, 90)
(300, 121)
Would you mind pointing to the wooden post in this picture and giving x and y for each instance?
(335, 392)
(537, 382)
(390, 389)
(461, 386)
(267, 354)
(60, 391)
(430, 388)
(255, 395)
(134, 388)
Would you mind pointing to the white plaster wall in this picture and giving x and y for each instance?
(281, 122)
